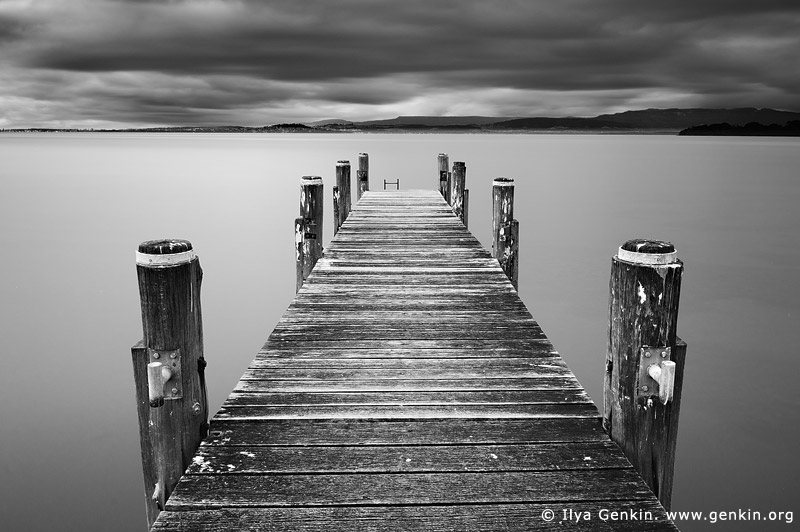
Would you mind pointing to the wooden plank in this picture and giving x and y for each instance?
(410, 280)
(547, 365)
(648, 515)
(404, 432)
(392, 293)
(409, 329)
(268, 398)
(225, 460)
(409, 385)
(411, 253)
(338, 350)
(376, 306)
(209, 491)
(310, 334)
(465, 344)
(344, 373)
(454, 411)
(469, 329)
(341, 312)
(487, 314)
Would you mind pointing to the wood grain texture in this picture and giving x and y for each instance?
(404, 431)
(402, 398)
(337, 209)
(457, 186)
(505, 230)
(431, 518)
(362, 174)
(643, 312)
(344, 184)
(444, 164)
(228, 460)
(407, 387)
(171, 322)
(271, 383)
(335, 489)
(311, 214)
(299, 252)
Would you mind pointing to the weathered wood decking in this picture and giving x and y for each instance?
(407, 388)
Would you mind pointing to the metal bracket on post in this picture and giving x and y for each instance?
(656, 373)
(171, 359)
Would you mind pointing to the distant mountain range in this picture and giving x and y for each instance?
(644, 121)
(666, 120)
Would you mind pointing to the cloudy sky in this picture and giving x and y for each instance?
(113, 63)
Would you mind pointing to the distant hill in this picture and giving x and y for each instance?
(683, 118)
(571, 123)
(665, 120)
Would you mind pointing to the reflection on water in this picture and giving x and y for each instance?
(74, 207)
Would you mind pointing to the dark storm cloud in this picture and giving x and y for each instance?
(505, 57)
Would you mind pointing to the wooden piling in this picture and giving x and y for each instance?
(337, 209)
(643, 315)
(505, 230)
(444, 164)
(457, 185)
(172, 425)
(447, 197)
(343, 182)
(299, 251)
(465, 216)
(310, 238)
(362, 175)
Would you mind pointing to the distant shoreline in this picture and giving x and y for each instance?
(424, 131)
(741, 121)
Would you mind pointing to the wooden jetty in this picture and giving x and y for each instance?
(407, 387)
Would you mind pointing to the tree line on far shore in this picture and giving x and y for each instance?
(791, 129)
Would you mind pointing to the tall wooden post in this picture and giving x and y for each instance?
(457, 185)
(343, 182)
(362, 174)
(505, 229)
(168, 366)
(308, 228)
(645, 360)
(444, 164)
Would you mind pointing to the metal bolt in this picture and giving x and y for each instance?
(647, 354)
(645, 388)
(156, 355)
(663, 354)
(196, 408)
(174, 391)
(173, 355)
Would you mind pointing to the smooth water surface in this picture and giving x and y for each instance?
(75, 206)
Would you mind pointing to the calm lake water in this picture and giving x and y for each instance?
(73, 208)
